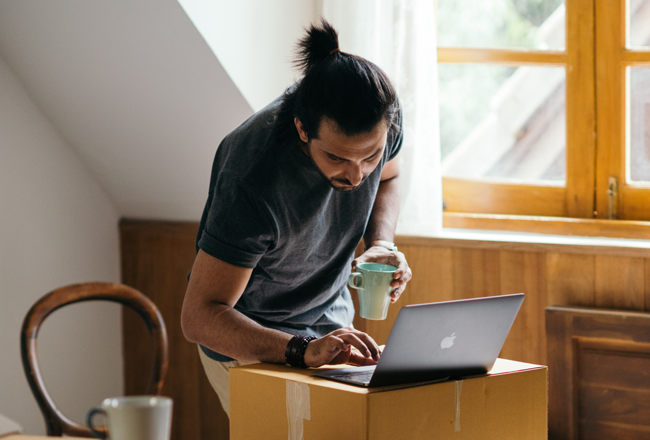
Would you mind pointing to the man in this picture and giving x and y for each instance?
(293, 190)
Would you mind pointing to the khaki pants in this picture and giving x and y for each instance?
(217, 373)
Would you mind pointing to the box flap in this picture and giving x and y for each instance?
(501, 366)
(302, 375)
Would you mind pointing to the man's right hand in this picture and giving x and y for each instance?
(336, 348)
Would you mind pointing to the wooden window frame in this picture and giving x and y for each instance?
(595, 137)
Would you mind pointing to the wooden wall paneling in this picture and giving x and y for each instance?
(570, 280)
(647, 284)
(359, 323)
(432, 269)
(475, 273)
(560, 375)
(620, 282)
(520, 272)
(156, 258)
(598, 383)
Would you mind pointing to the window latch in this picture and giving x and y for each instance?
(612, 192)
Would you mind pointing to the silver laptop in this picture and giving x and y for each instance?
(435, 341)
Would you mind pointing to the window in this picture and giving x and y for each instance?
(544, 109)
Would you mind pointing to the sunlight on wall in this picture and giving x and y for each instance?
(254, 41)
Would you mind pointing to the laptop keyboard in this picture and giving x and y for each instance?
(361, 376)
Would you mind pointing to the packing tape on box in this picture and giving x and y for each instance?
(298, 408)
(459, 389)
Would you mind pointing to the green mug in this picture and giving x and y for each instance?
(372, 281)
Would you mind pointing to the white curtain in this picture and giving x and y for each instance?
(400, 37)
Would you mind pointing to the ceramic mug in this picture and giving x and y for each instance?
(135, 418)
(372, 281)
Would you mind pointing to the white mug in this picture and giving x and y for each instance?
(135, 418)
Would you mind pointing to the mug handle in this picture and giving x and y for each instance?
(352, 281)
(89, 421)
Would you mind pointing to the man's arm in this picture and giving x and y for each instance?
(385, 211)
(381, 227)
(209, 318)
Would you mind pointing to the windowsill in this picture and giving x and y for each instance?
(530, 242)
(534, 238)
(554, 226)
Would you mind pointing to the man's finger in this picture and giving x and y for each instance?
(358, 337)
(369, 343)
(356, 342)
(336, 343)
(357, 359)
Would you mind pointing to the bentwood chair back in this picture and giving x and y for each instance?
(56, 423)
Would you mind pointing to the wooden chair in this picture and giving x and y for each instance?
(57, 424)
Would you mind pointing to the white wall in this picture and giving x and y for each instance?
(57, 226)
(134, 89)
(254, 40)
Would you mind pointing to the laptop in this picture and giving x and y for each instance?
(436, 341)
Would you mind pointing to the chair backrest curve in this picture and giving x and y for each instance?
(58, 424)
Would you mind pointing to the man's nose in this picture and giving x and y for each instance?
(354, 174)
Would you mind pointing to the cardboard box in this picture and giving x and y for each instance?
(276, 402)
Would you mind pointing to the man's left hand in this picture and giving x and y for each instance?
(381, 255)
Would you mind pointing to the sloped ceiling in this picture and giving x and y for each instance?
(133, 88)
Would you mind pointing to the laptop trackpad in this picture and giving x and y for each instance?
(355, 375)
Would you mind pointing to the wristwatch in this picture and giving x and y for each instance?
(385, 244)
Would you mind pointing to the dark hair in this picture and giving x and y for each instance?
(348, 89)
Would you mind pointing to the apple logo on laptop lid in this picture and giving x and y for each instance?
(448, 341)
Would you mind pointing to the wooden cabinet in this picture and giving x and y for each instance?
(599, 374)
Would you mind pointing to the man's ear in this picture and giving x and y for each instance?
(301, 130)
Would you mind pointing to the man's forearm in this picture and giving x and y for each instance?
(223, 329)
(385, 212)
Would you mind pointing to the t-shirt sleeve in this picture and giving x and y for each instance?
(237, 231)
(395, 136)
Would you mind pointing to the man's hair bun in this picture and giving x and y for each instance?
(319, 43)
(345, 88)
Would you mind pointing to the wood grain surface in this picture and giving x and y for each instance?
(598, 374)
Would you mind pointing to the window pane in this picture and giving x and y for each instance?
(530, 24)
(639, 22)
(504, 123)
(638, 124)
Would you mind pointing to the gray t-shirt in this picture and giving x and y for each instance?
(271, 210)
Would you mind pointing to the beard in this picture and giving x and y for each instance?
(349, 188)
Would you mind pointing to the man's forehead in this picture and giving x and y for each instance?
(332, 140)
(332, 126)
